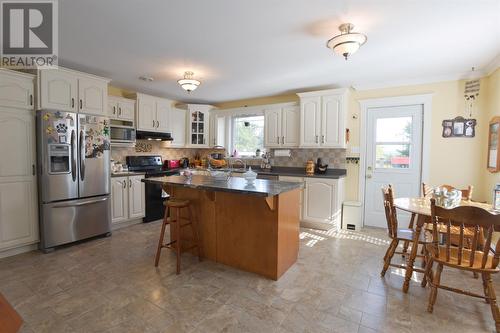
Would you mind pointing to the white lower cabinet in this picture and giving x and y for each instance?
(320, 202)
(127, 198)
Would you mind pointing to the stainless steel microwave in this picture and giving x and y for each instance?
(122, 135)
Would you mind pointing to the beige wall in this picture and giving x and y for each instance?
(491, 109)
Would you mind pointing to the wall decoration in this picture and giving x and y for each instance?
(459, 127)
(494, 145)
(471, 93)
(143, 147)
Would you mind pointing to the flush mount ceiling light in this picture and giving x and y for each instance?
(188, 83)
(146, 78)
(347, 42)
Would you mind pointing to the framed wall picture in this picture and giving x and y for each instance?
(459, 127)
(494, 145)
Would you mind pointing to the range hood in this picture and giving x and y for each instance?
(145, 135)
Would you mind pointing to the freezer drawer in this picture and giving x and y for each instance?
(69, 221)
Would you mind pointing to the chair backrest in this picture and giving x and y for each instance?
(471, 217)
(466, 193)
(390, 211)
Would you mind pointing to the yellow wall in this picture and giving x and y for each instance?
(115, 91)
(491, 109)
(454, 161)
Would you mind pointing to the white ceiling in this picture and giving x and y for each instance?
(243, 49)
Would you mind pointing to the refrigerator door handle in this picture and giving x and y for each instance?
(83, 203)
(73, 156)
(82, 156)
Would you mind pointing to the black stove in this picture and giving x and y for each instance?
(153, 167)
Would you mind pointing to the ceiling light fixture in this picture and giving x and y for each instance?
(146, 78)
(188, 83)
(347, 42)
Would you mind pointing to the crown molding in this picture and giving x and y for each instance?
(492, 66)
(421, 80)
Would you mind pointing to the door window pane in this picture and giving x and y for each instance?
(394, 129)
(392, 156)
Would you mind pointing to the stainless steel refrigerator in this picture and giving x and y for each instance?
(73, 177)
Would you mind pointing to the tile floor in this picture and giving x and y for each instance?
(111, 285)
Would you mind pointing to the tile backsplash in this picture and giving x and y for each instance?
(335, 158)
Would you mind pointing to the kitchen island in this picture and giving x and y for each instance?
(253, 227)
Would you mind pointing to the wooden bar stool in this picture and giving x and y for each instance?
(175, 220)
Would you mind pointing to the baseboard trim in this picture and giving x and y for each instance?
(18, 250)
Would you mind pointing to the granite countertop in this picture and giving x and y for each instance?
(261, 187)
(126, 173)
(301, 172)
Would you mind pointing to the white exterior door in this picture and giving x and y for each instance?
(178, 127)
(58, 90)
(332, 122)
(93, 95)
(290, 119)
(162, 115)
(136, 197)
(393, 156)
(146, 113)
(119, 199)
(18, 194)
(16, 91)
(272, 128)
(310, 123)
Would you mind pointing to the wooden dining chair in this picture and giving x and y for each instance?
(466, 193)
(463, 258)
(398, 234)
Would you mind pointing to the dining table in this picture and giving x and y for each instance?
(421, 207)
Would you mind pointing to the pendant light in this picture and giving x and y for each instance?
(347, 42)
(188, 83)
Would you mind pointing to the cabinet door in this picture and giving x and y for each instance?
(290, 120)
(136, 197)
(162, 115)
(58, 90)
(112, 108)
(146, 113)
(119, 199)
(319, 200)
(332, 122)
(18, 193)
(126, 110)
(272, 128)
(310, 114)
(92, 96)
(16, 91)
(178, 127)
(198, 128)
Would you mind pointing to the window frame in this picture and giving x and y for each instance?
(243, 114)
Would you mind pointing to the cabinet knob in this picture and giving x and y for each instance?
(81, 104)
(31, 99)
(114, 109)
(72, 102)
(317, 139)
(119, 111)
(129, 183)
(124, 183)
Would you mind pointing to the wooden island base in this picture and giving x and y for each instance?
(253, 233)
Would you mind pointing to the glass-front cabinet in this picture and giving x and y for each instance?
(198, 125)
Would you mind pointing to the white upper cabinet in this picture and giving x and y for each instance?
(281, 126)
(16, 89)
(322, 118)
(217, 129)
(153, 113)
(146, 113)
(290, 120)
(163, 107)
(58, 90)
(178, 127)
(272, 127)
(67, 90)
(92, 96)
(198, 125)
(121, 108)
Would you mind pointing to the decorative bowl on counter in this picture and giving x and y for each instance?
(250, 176)
(220, 175)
